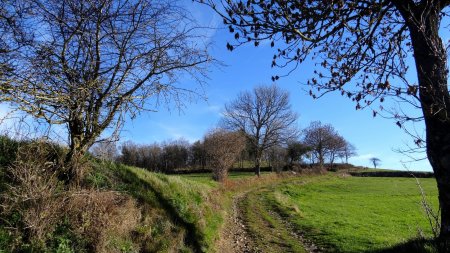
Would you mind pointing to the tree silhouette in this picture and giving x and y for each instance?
(375, 161)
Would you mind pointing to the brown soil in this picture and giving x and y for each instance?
(234, 237)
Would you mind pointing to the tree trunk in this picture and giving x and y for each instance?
(431, 64)
(258, 166)
(76, 152)
(78, 147)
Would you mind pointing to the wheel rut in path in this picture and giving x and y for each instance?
(236, 237)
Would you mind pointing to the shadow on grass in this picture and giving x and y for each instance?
(411, 246)
(138, 189)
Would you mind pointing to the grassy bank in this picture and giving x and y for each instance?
(179, 214)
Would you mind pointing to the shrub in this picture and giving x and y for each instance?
(33, 193)
(223, 148)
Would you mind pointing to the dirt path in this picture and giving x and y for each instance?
(308, 245)
(234, 236)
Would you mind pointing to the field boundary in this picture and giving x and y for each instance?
(417, 174)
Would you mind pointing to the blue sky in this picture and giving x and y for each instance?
(247, 67)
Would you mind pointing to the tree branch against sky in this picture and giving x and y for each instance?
(361, 48)
(93, 62)
(265, 116)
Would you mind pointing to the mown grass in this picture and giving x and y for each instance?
(356, 214)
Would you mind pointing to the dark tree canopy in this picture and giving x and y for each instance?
(295, 150)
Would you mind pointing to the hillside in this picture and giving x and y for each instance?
(277, 213)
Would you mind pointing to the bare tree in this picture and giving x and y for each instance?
(320, 138)
(375, 161)
(198, 155)
(348, 151)
(93, 62)
(175, 155)
(367, 42)
(265, 116)
(12, 35)
(223, 148)
(337, 147)
(106, 150)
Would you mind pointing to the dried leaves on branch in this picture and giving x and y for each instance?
(366, 42)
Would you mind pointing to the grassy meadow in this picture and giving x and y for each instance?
(355, 214)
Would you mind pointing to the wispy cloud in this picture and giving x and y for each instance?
(184, 131)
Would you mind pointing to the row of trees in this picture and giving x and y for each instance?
(221, 148)
(258, 125)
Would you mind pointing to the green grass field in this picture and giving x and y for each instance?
(206, 178)
(339, 214)
(355, 214)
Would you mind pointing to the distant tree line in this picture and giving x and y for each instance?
(320, 146)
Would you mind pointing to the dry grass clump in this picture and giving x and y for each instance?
(102, 217)
(33, 192)
(41, 202)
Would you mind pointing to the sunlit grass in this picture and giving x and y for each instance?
(357, 214)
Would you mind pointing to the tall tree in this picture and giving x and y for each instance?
(337, 147)
(367, 42)
(323, 140)
(93, 62)
(265, 116)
